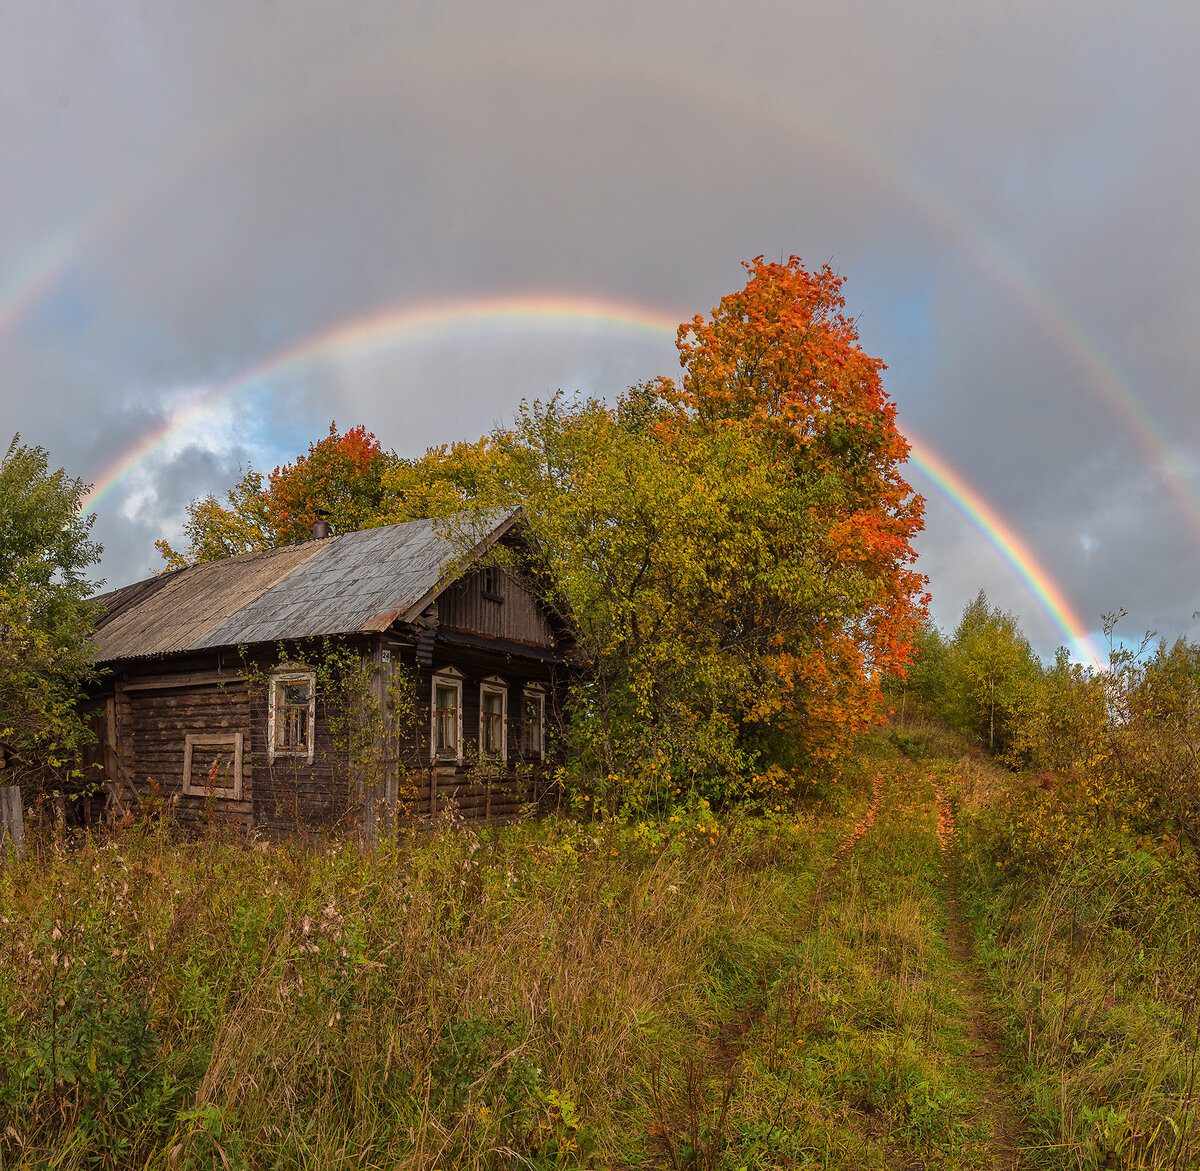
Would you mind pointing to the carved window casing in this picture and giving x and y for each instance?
(445, 731)
(292, 713)
(533, 722)
(493, 719)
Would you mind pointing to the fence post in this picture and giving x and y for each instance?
(12, 821)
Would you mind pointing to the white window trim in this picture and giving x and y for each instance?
(292, 675)
(200, 788)
(538, 692)
(494, 685)
(445, 677)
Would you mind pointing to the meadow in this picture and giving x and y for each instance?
(887, 977)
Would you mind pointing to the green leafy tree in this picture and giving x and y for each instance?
(924, 688)
(45, 616)
(994, 675)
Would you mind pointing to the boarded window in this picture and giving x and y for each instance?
(212, 765)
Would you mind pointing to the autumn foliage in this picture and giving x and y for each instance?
(780, 362)
(732, 550)
(339, 480)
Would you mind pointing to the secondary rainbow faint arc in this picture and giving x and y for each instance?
(409, 324)
(989, 251)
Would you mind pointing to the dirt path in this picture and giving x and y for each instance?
(861, 828)
(982, 1032)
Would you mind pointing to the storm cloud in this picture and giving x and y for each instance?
(1009, 189)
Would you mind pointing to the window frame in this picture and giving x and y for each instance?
(533, 691)
(491, 583)
(494, 685)
(279, 678)
(223, 792)
(449, 677)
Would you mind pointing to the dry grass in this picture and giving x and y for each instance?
(467, 998)
(1095, 962)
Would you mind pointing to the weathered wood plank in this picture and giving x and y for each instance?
(12, 821)
(183, 679)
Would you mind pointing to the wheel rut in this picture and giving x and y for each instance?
(983, 1034)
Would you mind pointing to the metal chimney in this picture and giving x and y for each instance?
(321, 525)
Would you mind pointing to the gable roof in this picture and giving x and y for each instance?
(356, 582)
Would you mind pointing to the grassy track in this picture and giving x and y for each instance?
(868, 1049)
(863, 987)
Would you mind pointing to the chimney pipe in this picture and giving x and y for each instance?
(320, 530)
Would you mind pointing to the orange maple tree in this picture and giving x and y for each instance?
(780, 361)
(342, 476)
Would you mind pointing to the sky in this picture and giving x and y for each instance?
(223, 225)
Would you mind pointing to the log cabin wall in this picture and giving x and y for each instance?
(160, 707)
(153, 723)
(160, 704)
(498, 789)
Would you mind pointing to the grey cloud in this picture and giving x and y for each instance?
(1006, 188)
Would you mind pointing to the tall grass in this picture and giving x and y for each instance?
(1094, 952)
(860, 1059)
(465, 998)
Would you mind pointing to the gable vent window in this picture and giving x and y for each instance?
(492, 583)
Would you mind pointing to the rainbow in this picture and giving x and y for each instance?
(409, 325)
(703, 80)
(1003, 538)
(395, 328)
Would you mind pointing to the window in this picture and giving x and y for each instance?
(292, 714)
(533, 725)
(212, 765)
(445, 732)
(493, 732)
(492, 583)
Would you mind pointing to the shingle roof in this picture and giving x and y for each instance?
(359, 581)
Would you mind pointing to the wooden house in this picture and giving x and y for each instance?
(225, 690)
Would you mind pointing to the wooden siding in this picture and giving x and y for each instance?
(519, 617)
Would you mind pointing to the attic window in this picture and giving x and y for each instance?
(292, 714)
(492, 583)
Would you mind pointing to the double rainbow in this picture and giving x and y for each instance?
(630, 67)
(409, 325)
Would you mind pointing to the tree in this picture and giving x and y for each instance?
(341, 480)
(45, 615)
(734, 551)
(994, 675)
(780, 364)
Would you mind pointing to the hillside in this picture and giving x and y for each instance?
(876, 981)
